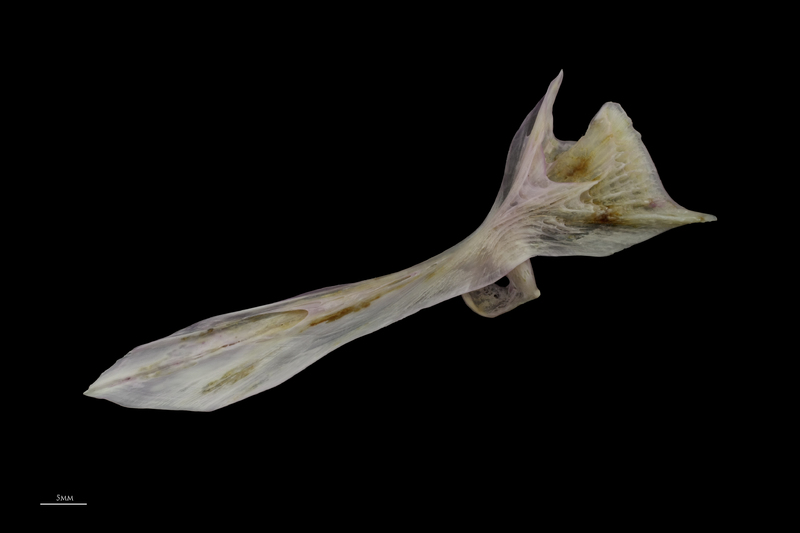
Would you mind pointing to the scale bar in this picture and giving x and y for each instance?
(62, 504)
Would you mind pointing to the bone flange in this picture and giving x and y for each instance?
(592, 197)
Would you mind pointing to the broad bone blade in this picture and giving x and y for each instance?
(592, 197)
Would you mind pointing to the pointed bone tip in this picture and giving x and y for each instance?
(544, 118)
(555, 84)
(695, 218)
(682, 216)
(92, 392)
(95, 388)
(123, 398)
(100, 389)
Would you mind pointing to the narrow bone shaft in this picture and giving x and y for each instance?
(230, 357)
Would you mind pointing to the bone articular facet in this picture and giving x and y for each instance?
(592, 197)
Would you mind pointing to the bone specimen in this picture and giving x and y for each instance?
(592, 197)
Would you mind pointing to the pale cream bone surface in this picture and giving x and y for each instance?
(592, 197)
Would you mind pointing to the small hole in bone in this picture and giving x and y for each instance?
(502, 282)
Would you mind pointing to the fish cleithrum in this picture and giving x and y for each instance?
(592, 197)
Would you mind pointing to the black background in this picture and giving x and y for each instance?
(198, 176)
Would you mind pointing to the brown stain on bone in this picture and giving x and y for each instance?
(344, 312)
(199, 335)
(576, 170)
(395, 282)
(575, 165)
(159, 369)
(152, 371)
(271, 322)
(230, 377)
(607, 215)
(584, 162)
(332, 317)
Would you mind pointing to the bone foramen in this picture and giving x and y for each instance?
(592, 197)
